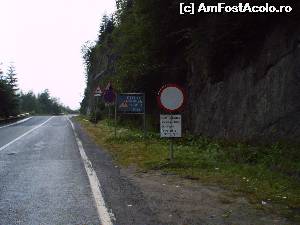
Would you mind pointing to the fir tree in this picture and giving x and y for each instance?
(13, 97)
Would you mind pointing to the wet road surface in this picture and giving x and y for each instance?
(43, 178)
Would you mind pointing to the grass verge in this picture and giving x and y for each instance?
(267, 175)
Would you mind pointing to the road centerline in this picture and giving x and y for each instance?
(23, 135)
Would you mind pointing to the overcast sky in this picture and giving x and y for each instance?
(44, 37)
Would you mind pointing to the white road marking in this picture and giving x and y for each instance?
(23, 135)
(103, 213)
(21, 121)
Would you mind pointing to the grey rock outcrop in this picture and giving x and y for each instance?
(257, 99)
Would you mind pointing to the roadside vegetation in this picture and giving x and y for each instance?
(146, 44)
(40, 104)
(267, 174)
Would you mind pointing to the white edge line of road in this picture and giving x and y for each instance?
(103, 214)
(21, 121)
(23, 135)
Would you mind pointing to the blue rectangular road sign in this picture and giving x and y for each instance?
(131, 103)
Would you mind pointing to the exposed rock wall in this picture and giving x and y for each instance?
(257, 99)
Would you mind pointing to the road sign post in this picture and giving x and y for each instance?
(96, 109)
(131, 103)
(171, 99)
(109, 97)
(116, 118)
(109, 112)
(170, 127)
(97, 93)
(144, 119)
(171, 155)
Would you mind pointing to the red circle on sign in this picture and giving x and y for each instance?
(171, 98)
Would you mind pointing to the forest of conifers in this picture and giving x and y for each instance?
(136, 47)
(13, 101)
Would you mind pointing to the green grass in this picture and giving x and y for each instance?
(267, 173)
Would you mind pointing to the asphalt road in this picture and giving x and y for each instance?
(43, 178)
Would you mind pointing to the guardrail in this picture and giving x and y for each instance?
(12, 119)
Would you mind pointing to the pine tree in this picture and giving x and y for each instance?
(12, 78)
(4, 98)
(13, 97)
(1, 73)
(28, 102)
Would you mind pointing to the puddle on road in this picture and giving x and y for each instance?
(12, 153)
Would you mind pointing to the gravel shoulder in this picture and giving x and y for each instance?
(182, 201)
(155, 197)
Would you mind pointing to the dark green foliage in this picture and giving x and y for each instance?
(9, 98)
(140, 47)
(12, 102)
(28, 102)
(122, 53)
(4, 98)
(150, 44)
(147, 43)
(43, 103)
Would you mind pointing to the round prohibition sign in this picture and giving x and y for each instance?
(171, 98)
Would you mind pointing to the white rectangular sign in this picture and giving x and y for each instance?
(170, 126)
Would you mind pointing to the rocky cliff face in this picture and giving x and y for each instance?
(257, 98)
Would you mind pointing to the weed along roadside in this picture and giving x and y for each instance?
(257, 172)
(267, 175)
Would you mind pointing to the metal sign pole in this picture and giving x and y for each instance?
(116, 102)
(97, 94)
(171, 98)
(96, 111)
(145, 132)
(171, 150)
(109, 111)
(171, 143)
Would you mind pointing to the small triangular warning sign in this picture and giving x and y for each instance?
(124, 104)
